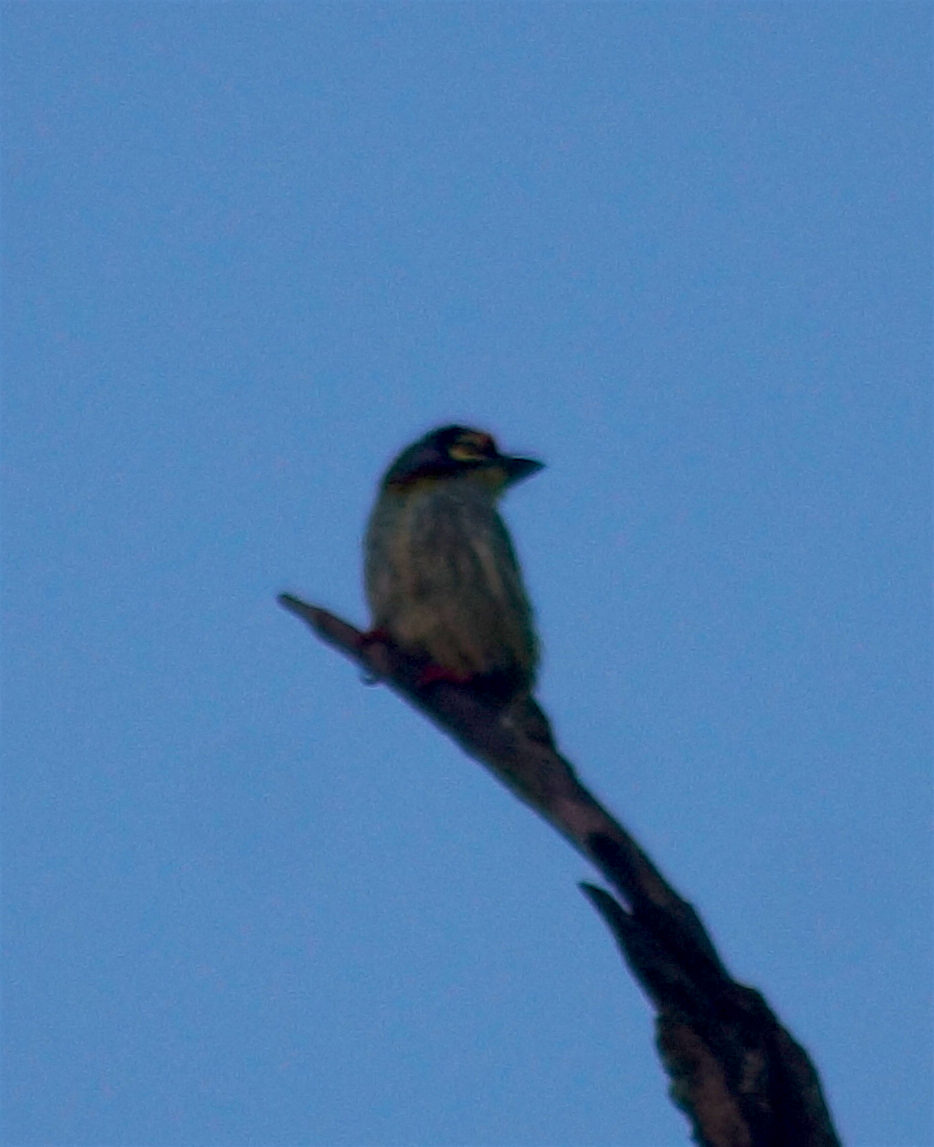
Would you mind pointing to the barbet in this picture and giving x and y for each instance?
(441, 574)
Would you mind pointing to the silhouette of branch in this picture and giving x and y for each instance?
(736, 1073)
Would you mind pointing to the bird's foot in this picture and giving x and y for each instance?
(378, 657)
(378, 636)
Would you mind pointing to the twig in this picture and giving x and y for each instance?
(735, 1072)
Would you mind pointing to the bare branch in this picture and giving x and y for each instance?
(735, 1072)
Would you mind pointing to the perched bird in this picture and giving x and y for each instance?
(441, 575)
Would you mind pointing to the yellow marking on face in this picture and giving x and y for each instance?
(472, 448)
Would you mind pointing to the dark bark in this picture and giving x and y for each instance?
(736, 1073)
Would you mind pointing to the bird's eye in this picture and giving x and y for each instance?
(473, 448)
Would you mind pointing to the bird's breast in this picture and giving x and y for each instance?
(443, 580)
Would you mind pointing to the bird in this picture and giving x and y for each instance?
(441, 575)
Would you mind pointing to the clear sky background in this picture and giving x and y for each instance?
(680, 252)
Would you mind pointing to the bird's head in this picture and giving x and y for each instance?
(457, 452)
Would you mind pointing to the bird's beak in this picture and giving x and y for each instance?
(519, 468)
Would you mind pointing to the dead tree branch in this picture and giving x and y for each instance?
(735, 1071)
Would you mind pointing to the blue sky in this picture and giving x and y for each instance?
(680, 252)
